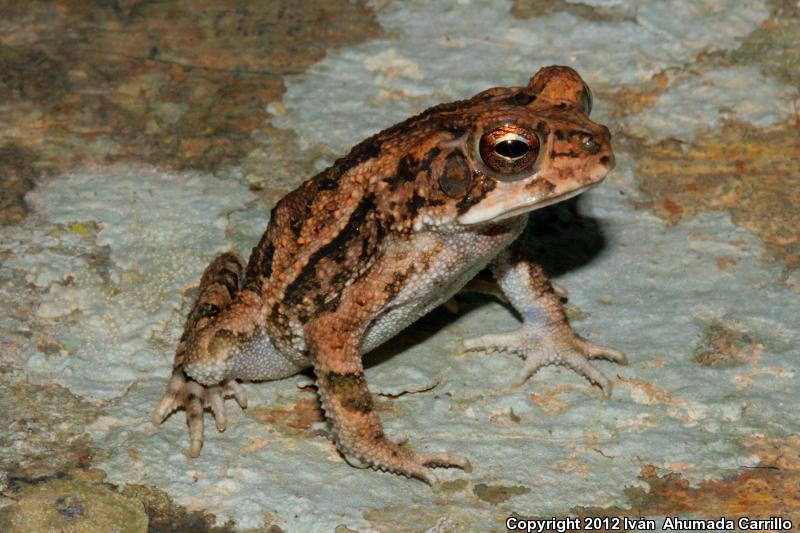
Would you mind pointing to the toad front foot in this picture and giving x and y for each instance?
(195, 398)
(541, 346)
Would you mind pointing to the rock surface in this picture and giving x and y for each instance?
(686, 259)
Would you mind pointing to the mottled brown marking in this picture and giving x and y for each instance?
(406, 171)
(539, 282)
(360, 153)
(229, 279)
(327, 183)
(414, 203)
(543, 184)
(568, 154)
(432, 154)
(218, 286)
(350, 390)
(355, 233)
(260, 264)
(396, 285)
(522, 98)
(482, 186)
(206, 309)
(409, 168)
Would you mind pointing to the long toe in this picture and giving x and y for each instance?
(233, 388)
(593, 351)
(169, 402)
(217, 404)
(165, 406)
(445, 460)
(194, 418)
(533, 362)
(494, 342)
(422, 472)
(580, 364)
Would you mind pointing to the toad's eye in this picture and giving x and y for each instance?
(509, 149)
(512, 148)
(585, 100)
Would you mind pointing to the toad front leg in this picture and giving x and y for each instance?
(334, 339)
(545, 337)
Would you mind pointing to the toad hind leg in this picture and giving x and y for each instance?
(349, 407)
(545, 337)
(195, 391)
(334, 339)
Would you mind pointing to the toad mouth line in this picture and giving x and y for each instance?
(522, 209)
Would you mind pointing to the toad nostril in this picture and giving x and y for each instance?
(590, 144)
(607, 161)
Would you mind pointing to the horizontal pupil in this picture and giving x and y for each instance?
(511, 148)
